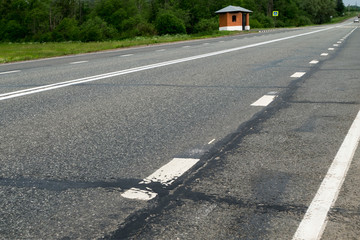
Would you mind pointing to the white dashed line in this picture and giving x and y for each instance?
(265, 100)
(166, 175)
(185, 46)
(331, 49)
(324, 54)
(335, 45)
(298, 74)
(314, 221)
(211, 141)
(161, 50)
(339, 42)
(15, 71)
(127, 55)
(79, 62)
(314, 62)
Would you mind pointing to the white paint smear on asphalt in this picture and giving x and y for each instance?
(315, 219)
(143, 68)
(166, 175)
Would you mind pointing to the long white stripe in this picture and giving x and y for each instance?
(142, 68)
(15, 71)
(314, 221)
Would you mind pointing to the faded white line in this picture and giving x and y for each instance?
(9, 72)
(143, 68)
(185, 46)
(298, 74)
(314, 62)
(127, 55)
(264, 101)
(161, 50)
(166, 175)
(79, 62)
(315, 219)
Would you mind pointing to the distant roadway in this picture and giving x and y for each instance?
(245, 137)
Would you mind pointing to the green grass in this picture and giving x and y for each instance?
(12, 52)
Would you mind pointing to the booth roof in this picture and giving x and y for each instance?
(233, 9)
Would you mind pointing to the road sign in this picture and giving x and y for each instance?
(275, 13)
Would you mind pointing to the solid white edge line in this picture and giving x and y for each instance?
(142, 68)
(314, 222)
(15, 71)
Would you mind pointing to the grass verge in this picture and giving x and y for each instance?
(12, 52)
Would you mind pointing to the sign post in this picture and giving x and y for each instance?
(275, 15)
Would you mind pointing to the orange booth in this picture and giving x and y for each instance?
(233, 18)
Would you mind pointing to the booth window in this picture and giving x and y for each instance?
(234, 18)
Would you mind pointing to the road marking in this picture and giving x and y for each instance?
(166, 175)
(127, 55)
(339, 42)
(15, 71)
(143, 68)
(265, 100)
(185, 46)
(221, 41)
(161, 50)
(211, 141)
(298, 74)
(324, 54)
(331, 49)
(79, 62)
(314, 222)
(206, 43)
(314, 62)
(139, 194)
(335, 45)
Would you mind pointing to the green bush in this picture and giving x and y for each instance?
(14, 31)
(254, 23)
(168, 23)
(206, 25)
(67, 30)
(96, 30)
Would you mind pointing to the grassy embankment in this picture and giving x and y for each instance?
(12, 52)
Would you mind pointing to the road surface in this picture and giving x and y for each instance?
(245, 137)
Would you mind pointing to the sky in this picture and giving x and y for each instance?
(351, 2)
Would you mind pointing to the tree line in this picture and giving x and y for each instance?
(98, 20)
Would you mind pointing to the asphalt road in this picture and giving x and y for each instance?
(171, 142)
